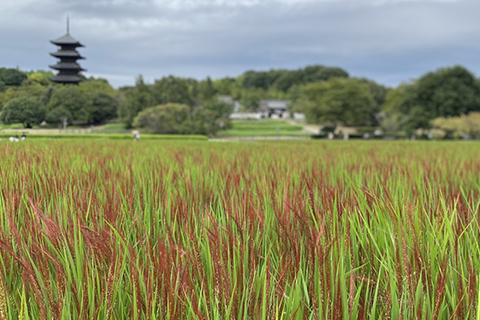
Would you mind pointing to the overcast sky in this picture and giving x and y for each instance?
(389, 41)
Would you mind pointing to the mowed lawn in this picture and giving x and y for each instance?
(242, 128)
(105, 229)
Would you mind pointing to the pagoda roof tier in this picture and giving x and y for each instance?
(66, 40)
(67, 54)
(67, 66)
(66, 79)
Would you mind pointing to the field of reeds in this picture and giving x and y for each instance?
(196, 230)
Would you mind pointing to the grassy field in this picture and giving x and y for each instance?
(106, 136)
(242, 128)
(196, 230)
(112, 128)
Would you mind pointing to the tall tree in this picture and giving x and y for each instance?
(71, 99)
(172, 90)
(348, 101)
(207, 90)
(379, 94)
(444, 93)
(134, 100)
(104, 107)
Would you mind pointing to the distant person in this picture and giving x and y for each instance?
(24, 137)
(16, 138)
(136, 137)
(366, 136)
(11, 139)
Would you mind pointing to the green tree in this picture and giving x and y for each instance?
(289, 79)
(261, 79)
(104, 107)
(34, 90)
(134, 100)
(204, 122)
(97, 86)
(58, 115)
(379, 94)
(171, 118)
(172, 90)
(225, 86)
(12, 77)
(28, 111)
(394, 98)
(221, 112)
(206, 90)
(283, 80)
(70, 98)
(47, 94)
(40, 77)
(445, 93)
(337, 100)
(319, 73)
(250, 98)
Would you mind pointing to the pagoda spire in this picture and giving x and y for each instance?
(67, 67)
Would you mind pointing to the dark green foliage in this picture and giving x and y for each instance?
(174, 118)
(58, 115)
(171, 118)
(283, 80)
(444, 93)
(262, 79)
(206, 90)
(319, 73)
(379, 94)
(135, 99)
(204, 122)
(348, 101)
(225, 86)
(221, 112)
(104, 107)
(251, 98)
(72, 100)
(12, 77)
(28, 111)
(172, 90)
(47, 94)
(288, 79)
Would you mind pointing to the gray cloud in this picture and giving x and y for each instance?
(387, 40)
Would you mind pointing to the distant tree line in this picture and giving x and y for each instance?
(444, 93)
(30, 98)
(326, 95)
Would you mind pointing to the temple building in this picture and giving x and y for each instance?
(67, 67)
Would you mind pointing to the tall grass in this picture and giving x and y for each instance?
(190, 230)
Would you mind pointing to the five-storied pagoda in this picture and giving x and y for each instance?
(67, 66)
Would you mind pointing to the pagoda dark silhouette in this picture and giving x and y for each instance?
(67, 67)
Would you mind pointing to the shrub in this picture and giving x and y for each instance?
(28, 111)
(170, 118)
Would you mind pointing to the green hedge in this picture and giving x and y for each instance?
(109, 136)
